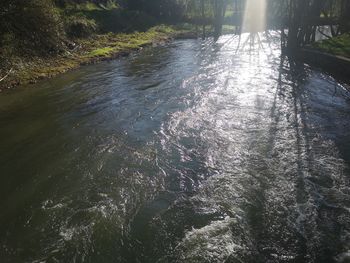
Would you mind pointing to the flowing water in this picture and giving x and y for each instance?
(191, 152)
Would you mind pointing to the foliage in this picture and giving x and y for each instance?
(79, 26)
(337, 45)
(162, 9)
(30, 26)
(120, 20)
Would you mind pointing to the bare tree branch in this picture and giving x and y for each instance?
(8, 73)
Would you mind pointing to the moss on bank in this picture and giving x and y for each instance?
(339, 46)
(27, 70)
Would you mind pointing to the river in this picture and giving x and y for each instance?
(190, 152)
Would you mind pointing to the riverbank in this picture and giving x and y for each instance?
(29, 70)
(338, 66)
(332, 55)
(338, 46)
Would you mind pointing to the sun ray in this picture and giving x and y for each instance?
(254, 20)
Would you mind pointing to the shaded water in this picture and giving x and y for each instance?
(192, 152)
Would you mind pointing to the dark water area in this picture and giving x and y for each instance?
(191, 152)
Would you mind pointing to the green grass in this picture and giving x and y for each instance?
(88, 6)
(229, 13)
(93, 49)
(107, 45)
(101, 52)
(339, 46)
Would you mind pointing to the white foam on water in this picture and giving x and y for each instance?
(212, 243)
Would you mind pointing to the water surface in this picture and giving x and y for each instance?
(191, 152)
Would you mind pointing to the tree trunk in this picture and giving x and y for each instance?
(218, 17)
(345, 17)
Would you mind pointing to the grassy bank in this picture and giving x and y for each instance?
(339, 46)
(30, 69)
(40, 39)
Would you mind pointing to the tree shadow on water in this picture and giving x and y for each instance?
(318, 221)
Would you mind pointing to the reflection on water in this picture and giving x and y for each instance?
(192, 152)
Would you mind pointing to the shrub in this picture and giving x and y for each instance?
(79, 26)
(35, 24)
